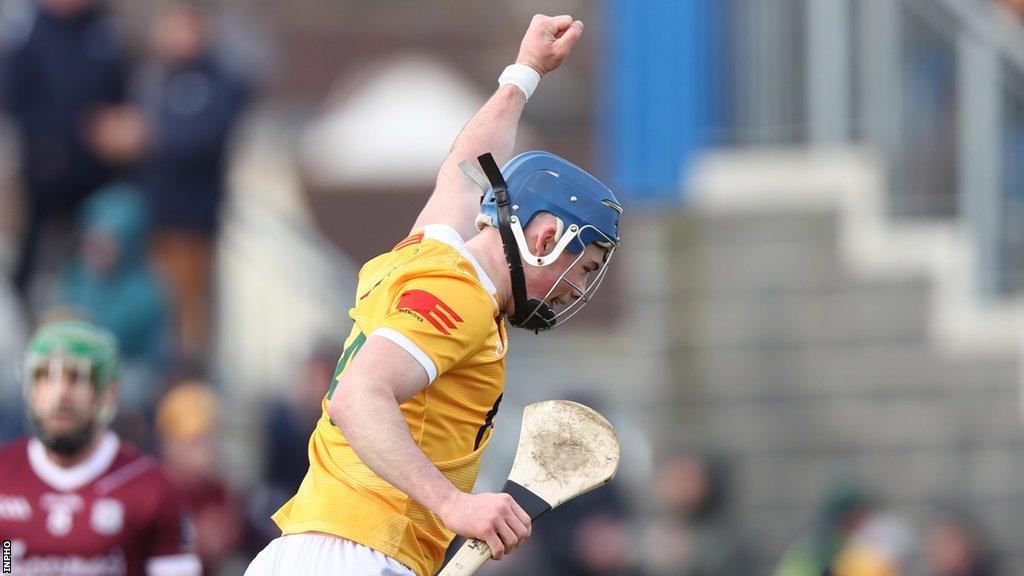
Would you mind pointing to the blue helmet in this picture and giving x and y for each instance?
(542, 182)
(587, 211)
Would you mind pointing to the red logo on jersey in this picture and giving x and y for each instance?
(414, 239)
(431, 308)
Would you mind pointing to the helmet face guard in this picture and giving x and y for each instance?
(54, 367)
(571, 240)
(575, 207)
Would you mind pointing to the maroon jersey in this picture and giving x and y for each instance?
(115, 514)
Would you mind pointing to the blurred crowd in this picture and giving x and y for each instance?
(853, 534)
(122, 160)
(122, 152)
(689, 530)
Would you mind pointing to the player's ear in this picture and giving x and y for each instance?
(546, 238)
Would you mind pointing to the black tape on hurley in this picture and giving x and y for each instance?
(533, 505)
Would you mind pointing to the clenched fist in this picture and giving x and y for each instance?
(547, 42)
(494, 518)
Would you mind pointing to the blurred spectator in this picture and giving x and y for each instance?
(61, 81)
(192, 103)
(879, 547)
(587, 536)
(289, 422)
(110, 282)
(953, 546)
(186, 424)
(691, 537)
(845, 508)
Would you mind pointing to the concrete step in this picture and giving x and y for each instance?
(770, 531)
(727, 254)
(734, 269)
(941, 420)
(746, 229)
(773, 481)
(909, 476)
(884, 311)
(736, 373)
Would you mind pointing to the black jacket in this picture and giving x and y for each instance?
(192, 108)
(53, 72)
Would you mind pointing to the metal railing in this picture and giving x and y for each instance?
(282, 289)
(936, 86)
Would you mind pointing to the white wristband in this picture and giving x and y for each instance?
(524, 77)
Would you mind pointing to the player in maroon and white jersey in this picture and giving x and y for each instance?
(74, 499)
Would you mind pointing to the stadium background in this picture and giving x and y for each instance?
(810, 342)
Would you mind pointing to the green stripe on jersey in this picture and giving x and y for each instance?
(346, 356)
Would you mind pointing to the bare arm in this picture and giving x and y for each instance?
(365, 406)
(456, 200)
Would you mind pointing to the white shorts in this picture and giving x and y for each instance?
(322, 555)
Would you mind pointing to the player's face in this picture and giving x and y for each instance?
(62, 397)
(579, 271)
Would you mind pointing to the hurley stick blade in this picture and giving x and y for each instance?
(565, 449)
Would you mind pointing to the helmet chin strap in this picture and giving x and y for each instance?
(530, 313)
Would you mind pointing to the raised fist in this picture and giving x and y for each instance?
(547, 42)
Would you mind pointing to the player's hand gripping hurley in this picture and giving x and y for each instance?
(565, 450)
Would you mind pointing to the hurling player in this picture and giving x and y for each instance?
(395, 454)
(74, 498)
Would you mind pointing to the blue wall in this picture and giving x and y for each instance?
(660, 91)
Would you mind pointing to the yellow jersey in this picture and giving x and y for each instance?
(431, 297)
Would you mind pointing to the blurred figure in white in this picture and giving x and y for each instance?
(879, 547)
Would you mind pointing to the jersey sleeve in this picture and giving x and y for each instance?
(438, 320)
(172, 541)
